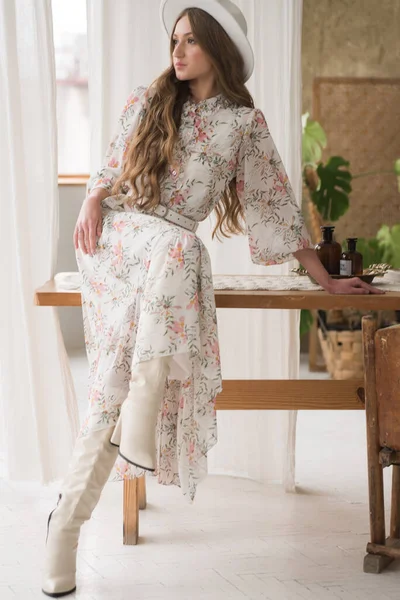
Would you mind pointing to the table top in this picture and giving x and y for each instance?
(54, 294)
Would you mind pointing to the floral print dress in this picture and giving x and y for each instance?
(148, 291)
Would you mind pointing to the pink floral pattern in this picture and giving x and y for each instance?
(148, 292)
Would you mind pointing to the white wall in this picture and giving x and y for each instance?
(71, 197)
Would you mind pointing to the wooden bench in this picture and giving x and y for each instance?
(255, 394)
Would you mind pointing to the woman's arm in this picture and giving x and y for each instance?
(98, 194)
(89, 224)
(99, 186)
(111, 168)
(310, 261)
(275, 223)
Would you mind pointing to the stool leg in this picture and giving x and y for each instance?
(373, 563)
(131, 512)
(376, 563)
(376, 498)
(395, 508)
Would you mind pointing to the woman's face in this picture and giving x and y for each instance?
(189, 60)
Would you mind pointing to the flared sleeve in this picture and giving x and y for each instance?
(130, 116)
(274, 222)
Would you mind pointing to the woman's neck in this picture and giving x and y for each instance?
(203, 91)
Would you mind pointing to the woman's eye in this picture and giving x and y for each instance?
(190, 40)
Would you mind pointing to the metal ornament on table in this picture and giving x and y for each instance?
(375, 270)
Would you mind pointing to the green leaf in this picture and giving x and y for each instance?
(395, 260)
(384, 238)
(332, 197)
(371, 250)
(397, 172)
(313, 140)
(389, 243)
(306, 320)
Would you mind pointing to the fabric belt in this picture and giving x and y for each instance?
(173, 217)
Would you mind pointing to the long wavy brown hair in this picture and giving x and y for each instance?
(151, 148)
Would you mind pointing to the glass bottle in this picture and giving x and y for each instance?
(329, 251)
(351, 262)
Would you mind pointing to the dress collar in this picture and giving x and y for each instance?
(206, 106)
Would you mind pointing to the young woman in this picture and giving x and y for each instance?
(190, 144)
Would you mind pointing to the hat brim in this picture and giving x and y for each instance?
(171, 9)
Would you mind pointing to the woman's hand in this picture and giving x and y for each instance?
(352, 286)
(88, 226)
(310, 261)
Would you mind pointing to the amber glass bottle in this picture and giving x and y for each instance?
(329, 251)
(351, 262)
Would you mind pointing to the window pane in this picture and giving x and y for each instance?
(70, 41)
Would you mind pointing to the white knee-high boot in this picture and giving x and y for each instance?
(136, 426)
(91, 463)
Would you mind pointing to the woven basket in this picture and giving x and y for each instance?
(343, 353)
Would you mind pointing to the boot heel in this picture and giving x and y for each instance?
(115, 439)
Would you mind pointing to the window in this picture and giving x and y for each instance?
(71, 55)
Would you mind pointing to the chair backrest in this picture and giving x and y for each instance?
(387, 374)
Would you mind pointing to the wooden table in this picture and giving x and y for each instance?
(256, 394)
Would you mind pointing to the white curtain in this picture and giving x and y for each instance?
(38, 410)
(127, 48)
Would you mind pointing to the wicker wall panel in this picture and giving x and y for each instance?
(361, 118)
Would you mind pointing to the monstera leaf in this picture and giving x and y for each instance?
(332, 196)
(313, 140)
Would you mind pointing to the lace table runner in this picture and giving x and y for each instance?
(389, 282)
(264, 282)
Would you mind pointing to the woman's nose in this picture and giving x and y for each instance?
(178, 51)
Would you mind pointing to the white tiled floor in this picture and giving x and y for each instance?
(241, 539)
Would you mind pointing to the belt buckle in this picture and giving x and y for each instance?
(167, 213)
(173, 217)
(164, 210)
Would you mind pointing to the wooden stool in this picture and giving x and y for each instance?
(382, 405)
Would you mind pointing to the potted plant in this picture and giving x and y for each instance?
(327, 198)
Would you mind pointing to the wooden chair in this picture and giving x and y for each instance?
(382, 405)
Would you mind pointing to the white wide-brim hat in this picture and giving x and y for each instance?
(228, 15)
